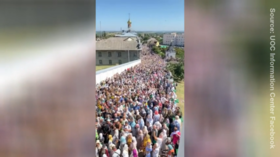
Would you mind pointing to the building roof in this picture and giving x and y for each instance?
(118, 43)
(163, 46)
(126, 35)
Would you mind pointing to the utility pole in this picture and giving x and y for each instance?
(128, 55)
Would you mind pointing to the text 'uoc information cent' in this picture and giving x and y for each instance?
(272, 77)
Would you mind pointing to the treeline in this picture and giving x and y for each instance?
(145, 37)
(104, 35)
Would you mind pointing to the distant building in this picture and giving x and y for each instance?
(174, 39)
(126, 34)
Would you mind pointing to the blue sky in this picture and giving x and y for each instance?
(145, 15)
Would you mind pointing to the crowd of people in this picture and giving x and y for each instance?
(138, 113)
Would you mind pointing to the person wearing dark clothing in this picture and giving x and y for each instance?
(150, 103)
(106, 131)
(171, 128)
(154, 134)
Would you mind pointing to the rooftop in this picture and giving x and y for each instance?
(131, 34)
(118, 43)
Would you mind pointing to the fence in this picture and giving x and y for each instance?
(107, 73)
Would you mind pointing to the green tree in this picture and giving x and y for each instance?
(162, 55)
(179, 53)
(145, 38)
(160, 41)
(156, 50)
(163, 49)
(177, 70)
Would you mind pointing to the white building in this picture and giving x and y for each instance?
(170, 53)
(176, 39)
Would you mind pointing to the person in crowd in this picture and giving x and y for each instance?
(110, 140)
(175, 135)
(101, 138)
(137, 130)
(116, 152)
(177, 119)
(140, 139)
(170, 151)
(122, 143)
(99, 147)
(146, 140)
(110, 149)
(148, 149)
(149, 119)
(156, 116)
(127, 127)
(164, 127)
(155, 152)
(154, 134)
(129, 139)
(133, 144)
(116, 135)
(134, 152)
(141, 122)
(164, 148)
(159, 140)
(125, 151)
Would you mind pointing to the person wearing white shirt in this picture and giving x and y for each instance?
(127, 127)
(96, 151)
(158, 124)
(163, 99)
(116, 136)
(125, 151)
(155, 152)
(126, 111)
(120, 109)
(116, 152)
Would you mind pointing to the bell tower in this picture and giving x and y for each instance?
(129, 24)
